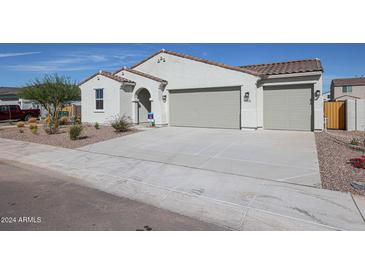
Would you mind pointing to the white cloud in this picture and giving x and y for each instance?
(14, 54)
(47, 68)
(77, 61)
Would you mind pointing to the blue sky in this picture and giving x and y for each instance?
(20, 63)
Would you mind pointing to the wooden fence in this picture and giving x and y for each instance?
(335, 112)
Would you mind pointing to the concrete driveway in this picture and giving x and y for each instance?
(260, 180)
(282, 156)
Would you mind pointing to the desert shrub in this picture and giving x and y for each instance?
(96, 125)
(76, 120)
(32, 120)
(20, 124)
(354, 142)
(121, 123)
(33, 128)
(75, 132)
(49, 127)
(21, 130)
(64, 120)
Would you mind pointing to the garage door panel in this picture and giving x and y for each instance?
(215, 107)
(288, 107)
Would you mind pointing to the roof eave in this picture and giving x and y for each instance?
(293, 74)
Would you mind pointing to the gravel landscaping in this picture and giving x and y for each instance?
(334, 154)
(89, 135)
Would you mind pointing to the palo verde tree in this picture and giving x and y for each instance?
(52, 92)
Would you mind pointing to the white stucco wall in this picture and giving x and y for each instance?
(154, 87)
(350, 114)
(318, 105)
(355, 114)
(182, 73)
(113, 96)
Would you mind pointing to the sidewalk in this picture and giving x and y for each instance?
(233, 201)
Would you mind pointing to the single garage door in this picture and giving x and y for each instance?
(288, 107)
(213, 107)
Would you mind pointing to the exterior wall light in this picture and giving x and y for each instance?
(164, 97)
(317, 93)
(246, 97)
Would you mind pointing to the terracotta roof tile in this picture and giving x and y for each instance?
(245, 70)
(109, 75)
(359, 81)
(296, 66)
(143, 75)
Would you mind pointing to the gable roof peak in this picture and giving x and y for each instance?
(140, 73)
(198, 59)
(108, 75)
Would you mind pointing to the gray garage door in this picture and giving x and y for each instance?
(213, 107)
(288, 107)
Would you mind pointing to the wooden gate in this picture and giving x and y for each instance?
(335, 112)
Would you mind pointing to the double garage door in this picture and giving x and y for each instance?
(284, 107)
(210, 107)
(288, 107)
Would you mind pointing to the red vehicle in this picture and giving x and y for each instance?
(13, 112)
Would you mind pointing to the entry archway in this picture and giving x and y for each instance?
(144, 105)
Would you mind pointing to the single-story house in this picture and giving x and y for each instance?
(182, 90)
(348, 88)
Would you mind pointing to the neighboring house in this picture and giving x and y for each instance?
(8, 95)
(182, 90)
(348, 88)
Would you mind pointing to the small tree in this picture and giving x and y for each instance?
(52, 92)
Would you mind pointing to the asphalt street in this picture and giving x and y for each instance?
(35, 199)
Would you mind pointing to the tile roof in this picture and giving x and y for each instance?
(143, 75)
(359, 81)
(245, 70)
(109, 75)
(296, 66)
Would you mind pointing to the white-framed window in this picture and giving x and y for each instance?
(99, 99)
(346, 89)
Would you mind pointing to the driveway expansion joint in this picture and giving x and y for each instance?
(357, 207)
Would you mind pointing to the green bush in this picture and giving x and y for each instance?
(96, 125)
(75, 132)
(33, 128)
(354, 142)
(121, 123)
